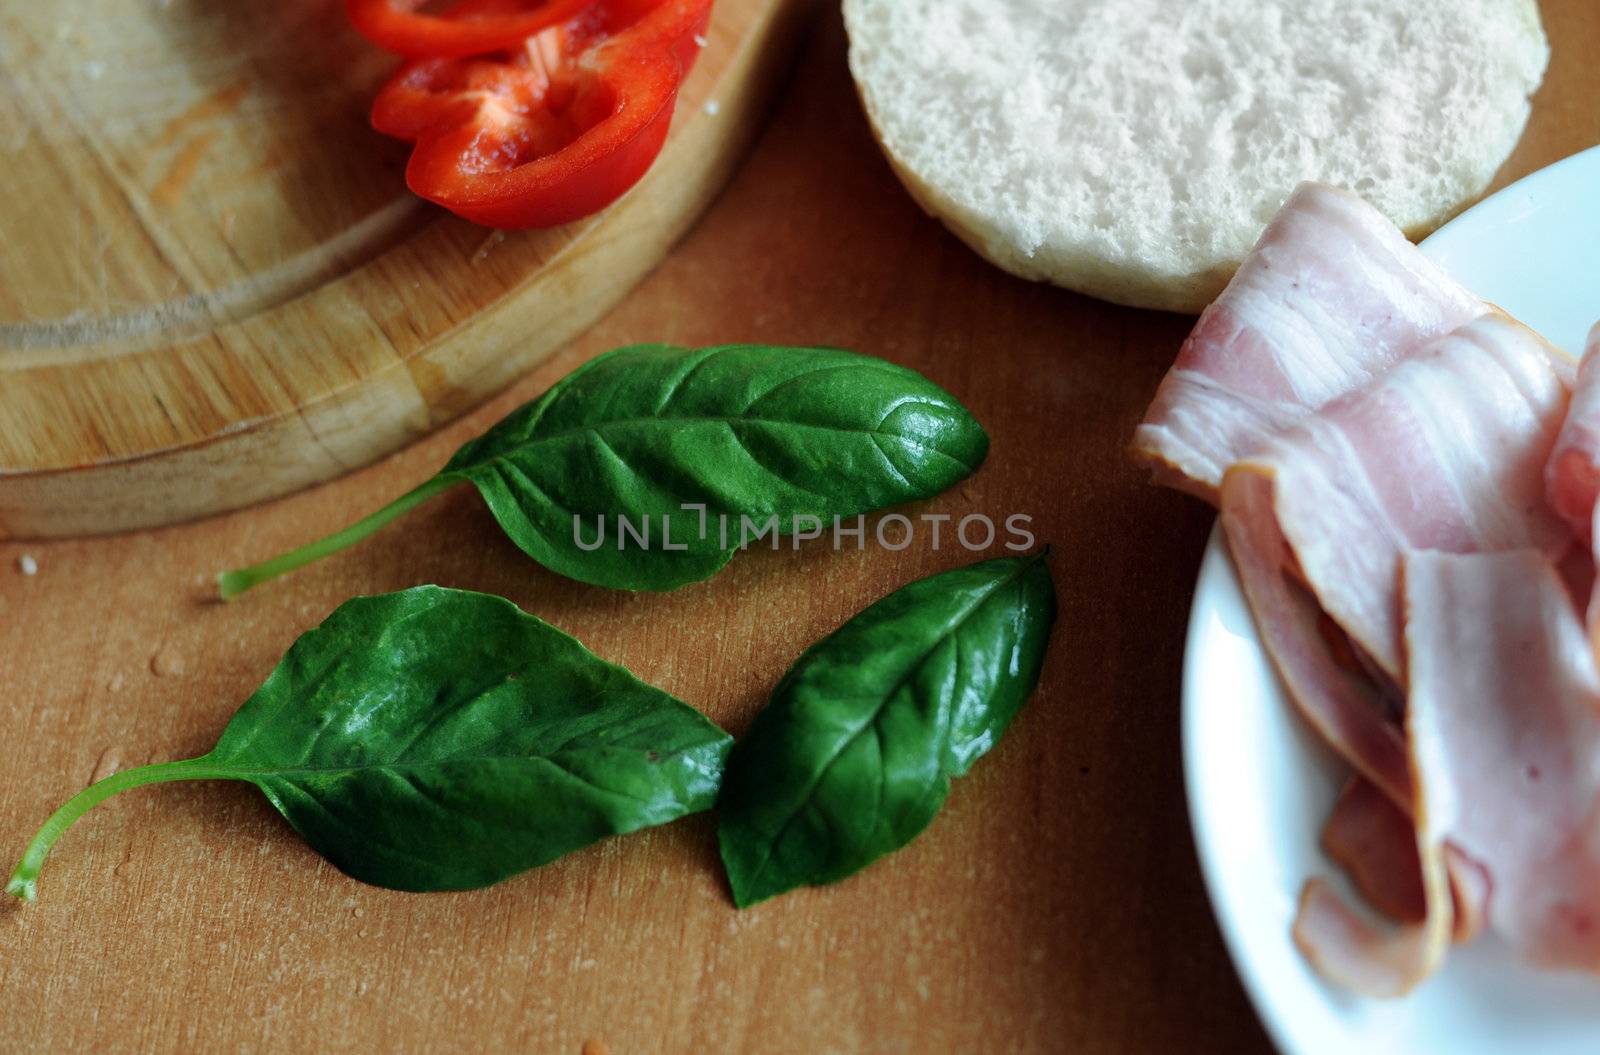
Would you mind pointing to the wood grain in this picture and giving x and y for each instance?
(214, 286)
(1054, 906)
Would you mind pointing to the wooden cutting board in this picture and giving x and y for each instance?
(214, 286)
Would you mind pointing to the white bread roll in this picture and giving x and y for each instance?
(1134, 149)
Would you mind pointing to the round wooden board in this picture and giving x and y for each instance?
(214, 286)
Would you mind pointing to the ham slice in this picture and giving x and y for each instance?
(1443, 451)
(1332, 295)
(1505, 724)
(1572, 477)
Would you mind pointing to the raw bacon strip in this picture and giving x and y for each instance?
(1505, 726)
(1572, 477)
(1443, 451)
(1371, 957)
(1332, 295)
(1347, 709)
(1374, 841)
(1366, 956)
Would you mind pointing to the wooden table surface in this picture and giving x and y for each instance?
(1055, 905)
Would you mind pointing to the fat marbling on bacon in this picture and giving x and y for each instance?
(1332, 295)
(1443, 451)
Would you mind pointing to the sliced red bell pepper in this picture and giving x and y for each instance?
(467, 29)
(553, 130)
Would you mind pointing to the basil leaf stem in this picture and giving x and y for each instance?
(688, 445)
(23, 880)
(439, 739)
(232, 583)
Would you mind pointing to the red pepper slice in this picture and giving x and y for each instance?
(466, 29)
(555, 130)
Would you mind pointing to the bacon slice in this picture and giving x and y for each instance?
(1505, 726)
(1332, 295)
(1572, 476)
(1443, 451)
(1366, 956)
(1370, 957)
(1356, 414)
(1352, 713)
(1374, 841)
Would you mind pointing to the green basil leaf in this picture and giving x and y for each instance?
(854, 754)
(760, 437)
(440, 739)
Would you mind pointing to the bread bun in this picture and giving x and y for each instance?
(1134, 149)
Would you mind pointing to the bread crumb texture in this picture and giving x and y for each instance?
(1134, 149)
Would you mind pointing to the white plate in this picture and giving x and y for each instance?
(1260, 785)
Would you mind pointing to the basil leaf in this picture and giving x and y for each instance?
(854, 754)
(786, 437)
(439, 739)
